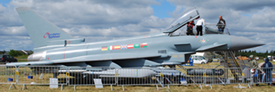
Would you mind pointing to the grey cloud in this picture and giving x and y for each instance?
(239, 5)
(16, 43)
(71, 13)
(8, 17)
(144, 27)
(95, 15)
(13, 31)
(126, 3)
(2, 8)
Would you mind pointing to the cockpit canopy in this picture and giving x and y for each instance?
(188, 15)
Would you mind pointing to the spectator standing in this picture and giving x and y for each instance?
(199, 25)
(268, 67)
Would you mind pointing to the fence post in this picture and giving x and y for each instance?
(116, 78)
(227, 80)
(61, 87)
(16, 78)
(24, 86)
(111, 87)
(17, 74)
(68, 76)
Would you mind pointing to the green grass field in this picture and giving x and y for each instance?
(22, 58)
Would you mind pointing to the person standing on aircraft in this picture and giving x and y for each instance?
(268, 67)
(221, 24)
(190, 27)
(199, 26)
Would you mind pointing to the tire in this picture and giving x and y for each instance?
(202, 63)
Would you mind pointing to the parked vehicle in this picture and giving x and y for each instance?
(257, 58)
(199, 59)
(7, 59)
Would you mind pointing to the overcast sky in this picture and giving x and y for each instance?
(99, 20)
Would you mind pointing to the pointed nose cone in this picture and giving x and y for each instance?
(238, 43)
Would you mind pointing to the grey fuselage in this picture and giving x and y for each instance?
(173, 48)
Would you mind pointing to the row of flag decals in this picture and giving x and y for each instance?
(128, 46)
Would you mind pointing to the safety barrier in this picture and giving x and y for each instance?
(262, 75)
(8, 75)
(83, 76)
(40, 75)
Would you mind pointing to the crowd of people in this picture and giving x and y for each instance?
(265, 68)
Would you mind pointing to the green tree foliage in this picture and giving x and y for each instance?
(2, 52)
(15, 53)
(254, 53)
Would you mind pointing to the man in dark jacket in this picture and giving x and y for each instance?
(221, 24)
(190, 28)
(268, 67)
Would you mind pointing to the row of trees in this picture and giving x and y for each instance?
(14, 53)
(254, 53)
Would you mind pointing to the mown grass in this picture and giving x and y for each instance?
(149, 88)
(23, 58)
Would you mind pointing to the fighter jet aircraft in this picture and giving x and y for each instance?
(53, 46)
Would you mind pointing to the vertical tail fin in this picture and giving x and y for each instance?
(40, 29)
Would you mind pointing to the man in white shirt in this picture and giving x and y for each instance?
(199, 26)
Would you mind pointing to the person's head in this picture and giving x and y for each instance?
(198, 17)
(220, 17)
(266, 59)
(251, 56)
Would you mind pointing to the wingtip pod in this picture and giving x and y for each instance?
(22, 8)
